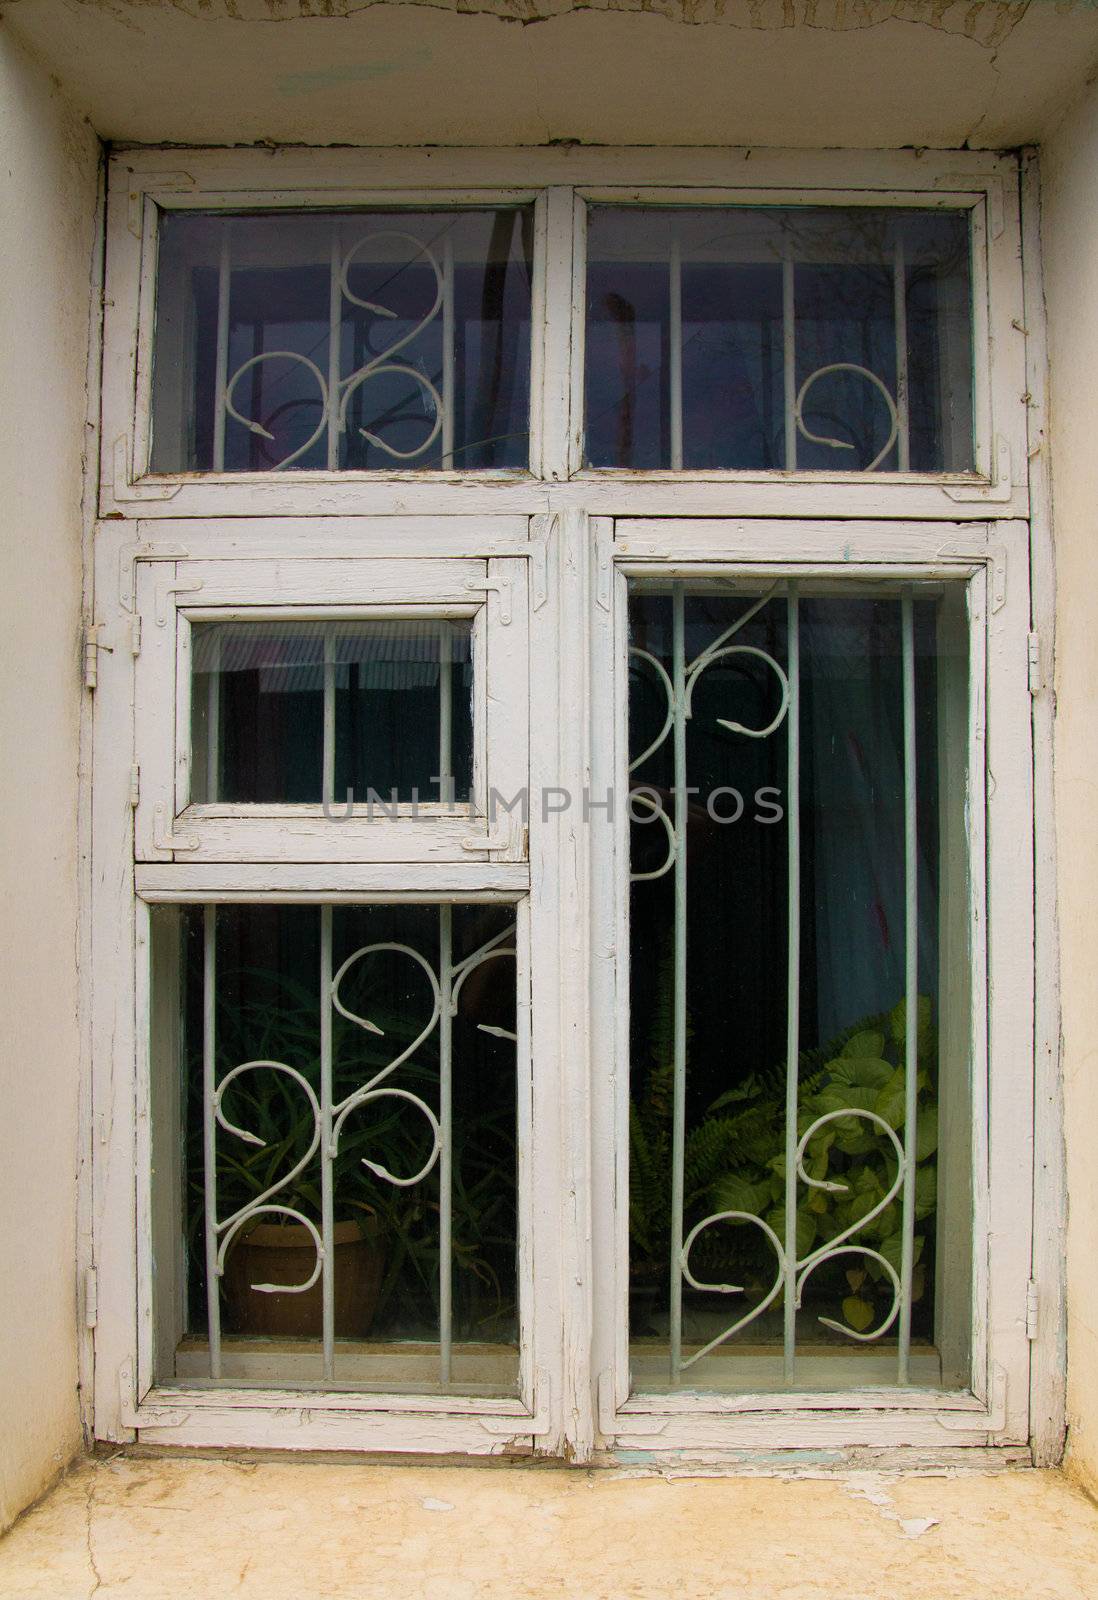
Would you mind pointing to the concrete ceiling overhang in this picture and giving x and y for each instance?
(850, 73)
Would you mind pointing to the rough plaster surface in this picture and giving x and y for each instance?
(192, 1530)
(987, 21)
(48, 181)
(848, 73)
(1070, 246)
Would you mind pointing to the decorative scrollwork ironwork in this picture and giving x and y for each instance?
(797, 1271)
(334, 398)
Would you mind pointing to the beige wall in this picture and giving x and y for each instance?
(1069, 169)
(47, 213)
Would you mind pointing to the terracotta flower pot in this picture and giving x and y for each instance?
(274, 1252)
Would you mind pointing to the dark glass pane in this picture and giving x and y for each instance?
(263, 994)
(699, 301)
(429, 368)
(849, 984)
(257, 710)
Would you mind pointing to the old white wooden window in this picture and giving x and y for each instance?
(562, 803)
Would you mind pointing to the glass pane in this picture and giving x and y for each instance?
(342, 341)
(272, 1023)
(401, 724)
(706, 329)
(821, 739)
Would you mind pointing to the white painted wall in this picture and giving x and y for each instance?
(48, 177)
(1069, 167)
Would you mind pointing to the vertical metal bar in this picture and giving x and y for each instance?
(675, 353)
(335, 330)
(328, 747)
(327, 1195)
(221, 373)
(789, 358)
(793, 977)
(213, 724)
(445, 711)
(445, 1035)
(678, 1126)
(209, 1133)
(446, 1147)
(911, 986)
(899, 298)
(448, 326)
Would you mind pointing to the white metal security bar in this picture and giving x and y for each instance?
(335, 392)
(329, 1116)
(792, 1270)
(794, 397)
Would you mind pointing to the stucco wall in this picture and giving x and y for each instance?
(47, 215)
(1070, 241)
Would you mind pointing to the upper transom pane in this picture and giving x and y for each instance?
(751, 338)
(342, 341)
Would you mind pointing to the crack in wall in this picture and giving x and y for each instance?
(986, 22)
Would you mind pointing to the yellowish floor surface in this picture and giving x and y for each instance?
(135, 1529)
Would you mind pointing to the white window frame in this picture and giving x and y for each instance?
(488, 593)
(574, 533)
(559, 183)
(993, 565)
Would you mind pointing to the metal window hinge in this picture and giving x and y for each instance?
(135, 786)
(996, 492)
(135, 634)
(134, 1414)
(495, 839)
(92, 648)
(499, 586)
(91, 1298)
(164, 835)
(1034, 647)
(1033, 1306)
(125, 488)
(164, 590)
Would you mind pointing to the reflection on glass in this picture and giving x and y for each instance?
(764, 338)
(342, 341)
(286, 1010)
(731, 950)
(401, 721)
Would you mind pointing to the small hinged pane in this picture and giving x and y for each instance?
(308, 711)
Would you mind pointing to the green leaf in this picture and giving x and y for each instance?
(734, 1193)
(926, 1191)
(891, 1102)
(864, 1044)
(806, 1227)
(926, 1132)
(866, 1072)
(898, 1020)
(858, 1313)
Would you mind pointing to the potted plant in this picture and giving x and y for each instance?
(386, 1246)
(734, 1160)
